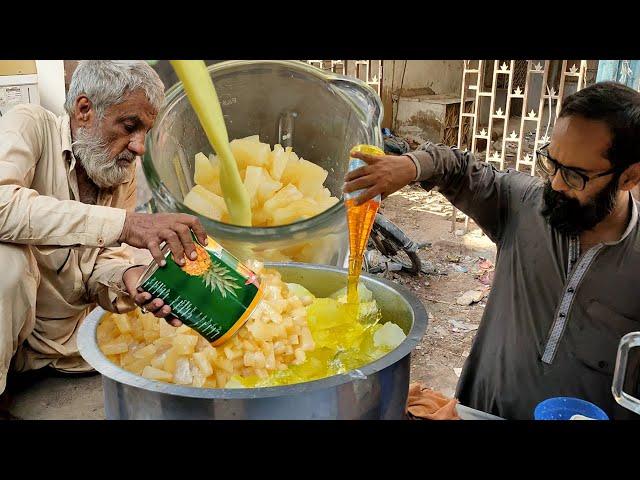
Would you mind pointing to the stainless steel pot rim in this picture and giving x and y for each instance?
(88, 347)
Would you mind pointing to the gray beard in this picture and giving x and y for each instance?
(93, 153)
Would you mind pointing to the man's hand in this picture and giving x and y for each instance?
(383, 174)
(144, 300)
(149, 230)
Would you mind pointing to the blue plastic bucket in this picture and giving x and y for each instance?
(563, 408)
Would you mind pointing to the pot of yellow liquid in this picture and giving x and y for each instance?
(377, 390)
(320, 115)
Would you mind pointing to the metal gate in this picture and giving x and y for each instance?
(514, 105)
(369, 71)
(510, 119)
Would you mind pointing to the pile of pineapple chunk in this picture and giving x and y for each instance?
(282, 187)
(276, 335)
(291, 337)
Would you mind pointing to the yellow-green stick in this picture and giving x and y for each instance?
(203, 97)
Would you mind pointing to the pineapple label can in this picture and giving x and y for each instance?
(214, 294)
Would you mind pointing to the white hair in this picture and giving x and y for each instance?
(107, 82)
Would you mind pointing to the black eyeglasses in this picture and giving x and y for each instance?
(572, 177)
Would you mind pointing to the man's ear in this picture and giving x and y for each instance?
(630, 177)
(84, 112)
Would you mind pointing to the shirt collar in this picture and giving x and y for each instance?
(632, 222)
(65, 134)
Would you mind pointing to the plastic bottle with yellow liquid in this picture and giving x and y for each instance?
(360, 220)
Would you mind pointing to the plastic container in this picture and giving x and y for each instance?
(563, 408)
(321, 115)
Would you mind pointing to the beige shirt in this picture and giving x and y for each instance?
(75, 244)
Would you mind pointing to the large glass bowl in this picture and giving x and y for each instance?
(319, 114)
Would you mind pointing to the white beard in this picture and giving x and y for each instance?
(93, 153)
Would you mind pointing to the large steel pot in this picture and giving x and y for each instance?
(375, 391)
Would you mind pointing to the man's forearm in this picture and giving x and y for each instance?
(474, 187)
(29, 218)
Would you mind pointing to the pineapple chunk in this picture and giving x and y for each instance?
(300, 355)
(115, 348)
(259, 217)
(231, 354)
(212, 353)
(202, 361)
(158, 361)
(182, 374)
(296, 210)
(185, 344)
(166, 330)
(185, 329)
(250, 153)
(122, 322)
(290, 172)
(221, 378)
(198, 378)
(215, 185)
(277, 162)
(145, 352)
(150, 337)
(106, 331)
(206, 203)
(156, 374)
(204, 173)
(171, 360)
(210, 383)
(323, 194)
(138, 365)
(260, 185)
(148, 321)
(310, 178)
(282, 198)
(224, 363)
(326, 203)
(267, 188)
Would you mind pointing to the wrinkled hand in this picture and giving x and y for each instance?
(149, 230)
(383, 174)
(144, 300)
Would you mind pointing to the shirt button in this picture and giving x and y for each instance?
(562, 315)
(602, 364)
(100, 241)
(571, 290)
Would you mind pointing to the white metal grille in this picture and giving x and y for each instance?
(511, 108)
(369, 71)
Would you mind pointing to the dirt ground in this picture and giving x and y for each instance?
(462, 262)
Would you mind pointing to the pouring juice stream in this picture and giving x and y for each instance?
(203, 97)
(360, 220)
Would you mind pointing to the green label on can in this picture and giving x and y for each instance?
(214, 295)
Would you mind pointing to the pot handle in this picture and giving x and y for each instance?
(629, 341)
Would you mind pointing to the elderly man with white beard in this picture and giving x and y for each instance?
(67, 199)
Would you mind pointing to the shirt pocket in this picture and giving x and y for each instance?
(598, 336)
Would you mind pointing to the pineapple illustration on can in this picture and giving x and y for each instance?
(214, 294)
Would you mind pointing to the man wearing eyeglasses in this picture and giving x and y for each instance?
(566, 283)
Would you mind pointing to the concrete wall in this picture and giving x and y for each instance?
(434, 77)
(51, 85)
